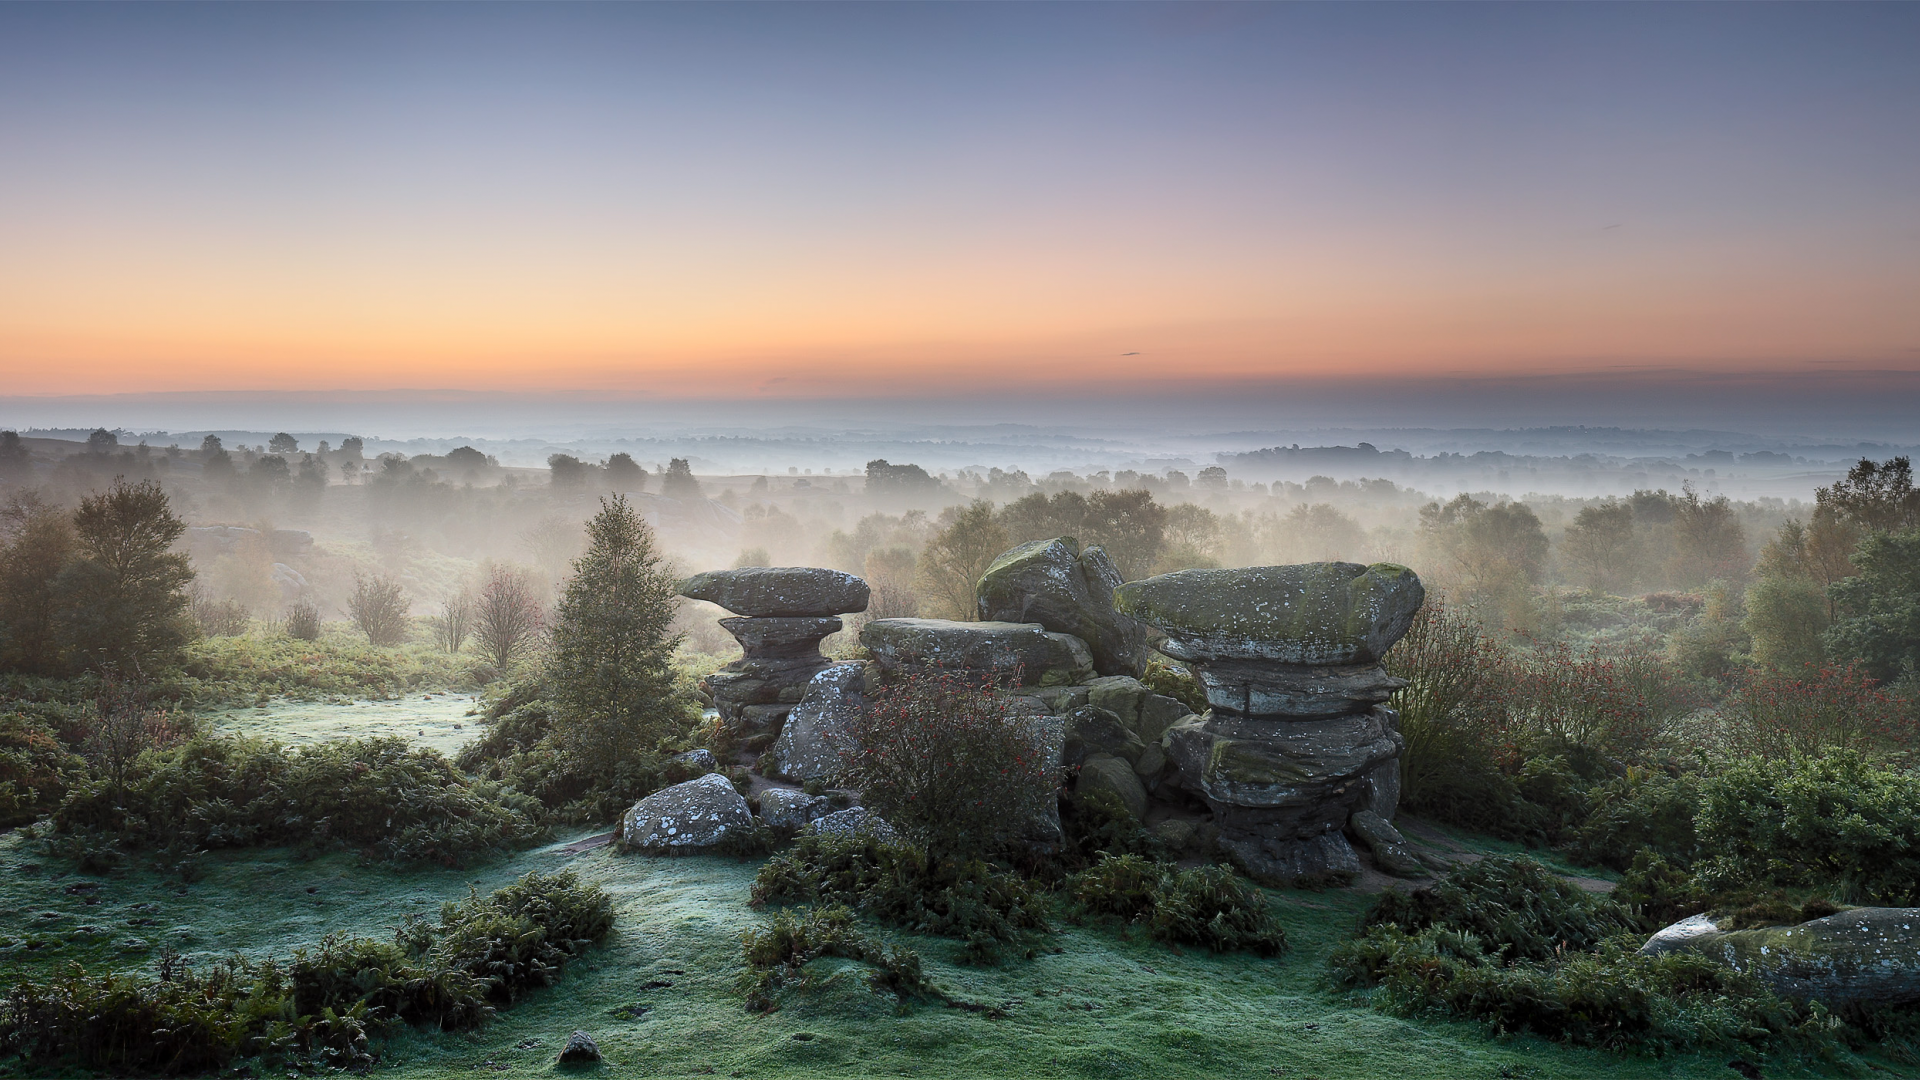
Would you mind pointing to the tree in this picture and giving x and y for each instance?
(566, 472)
(41, 540)
(15, 458)
(1129, 525)
(506, 615)
(1317, 532)
(1790, 604)
(890, 572)
(1192, 538)
(884, 479)
(455, 621)
(625, 474)
(123, 598)
(678, 481)
(379, 608)
(214, 459)
(953, 560)
(1495, 552)
(1708, 541)
(283, 444)
(1875, 496)
(1880, 606)
(1213, 477)
(611, 665)
(1600, 546)
(102, 441)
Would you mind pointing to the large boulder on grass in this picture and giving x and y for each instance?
(686, 817)
(817, 738)
(785, 592)
(1068, 591)
(1331, 613)
(1863, 956)
(1039, 656)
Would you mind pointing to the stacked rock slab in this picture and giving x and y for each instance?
(1296, 739)
(1067, 591)
(784, 613)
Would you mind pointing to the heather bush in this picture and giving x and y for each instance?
(1517, 908)
(944, 758)
(378, 606)
(903, 885)
(778, 955)
(1836, 822)
(1779, 715)
(1207, 906)
(318, 1008)
(303, 620)
(382, 797)
(1453, 716)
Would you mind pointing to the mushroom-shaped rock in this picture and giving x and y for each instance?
(782, 592)
(686, 817)
(1041, 658)
(1859, 956)
(1068, 591)
(1319, 614)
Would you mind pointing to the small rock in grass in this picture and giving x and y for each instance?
(580, 1049)
(856, 821)
(786, 810)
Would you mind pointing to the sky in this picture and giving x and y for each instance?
(924, 202)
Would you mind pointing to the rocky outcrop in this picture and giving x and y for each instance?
(1296, 739)
(1147, 713)
(816, 737)
(1067, 591)
(1014, 653)
(787, 811)
(1859, 956)
(852, 822)
(780, 592)
(1391, 852)
(686, 817)
(784, 612)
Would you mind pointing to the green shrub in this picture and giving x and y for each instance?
(383, 797)
(1660, 892)
(1207, 906)
(946, 759)
(36, 769)
(318, 1008)
(778, 955)
(1837, 823)
(1644, 810)
(1097, 823)
(1518, 908)
(1175, 681)
(1611, 998)
(903, 885)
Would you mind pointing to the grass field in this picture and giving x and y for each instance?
(660, 995)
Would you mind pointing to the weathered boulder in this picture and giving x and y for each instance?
(1391, 852)
(854, 821)
(1104, 772)
(701, 759)
(1178, 834)
(1147, 713)
(686, 817)
(1859, 956)
(789, 811)
(776, 637)
(816, 738)
(1092, 730)
(1041, 657)
(1264, 688)
(1326, 859)
(1068, 591)
(1310, 775)
(1315, 614)
(779, 591)
(580, 1049)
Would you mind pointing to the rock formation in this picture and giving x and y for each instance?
(816, 738)
(686, 817)
(1296, 739)
(1026, 653)
(1860, 956)
(1067, 591)
(784, 612)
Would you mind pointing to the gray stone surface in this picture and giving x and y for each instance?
(1326, 859)
(1383, 789)
(1041, 657)
(580, 1049)
(1318, 768)
(1147, 713)
(816, 738)
(686, 817)
(775, 637)
(1104, 772)
(1313, 614)
(1068, 591)
(779, 591)
(1859, 956)
(1391, 852)
(701, 759)
(854, 821)
(1261, 688)
(1092, 730)
(789, 811)
(1178, 834)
